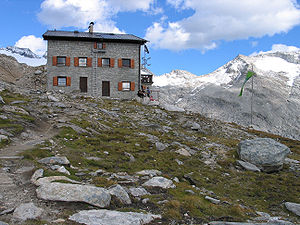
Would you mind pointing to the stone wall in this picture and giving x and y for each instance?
(86, 49)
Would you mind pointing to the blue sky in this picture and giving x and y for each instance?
(194, 35)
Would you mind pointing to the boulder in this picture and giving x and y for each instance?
(267, 154)
(27, 211)
(52, 98)
(119, 192)
(212, 200)
(159, 182)
(74, 193)
(104, 217)
(62, 160)
(293, 207)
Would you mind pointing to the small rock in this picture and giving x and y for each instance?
(52, 98)
(150, 173)
(38, 72)
(145, 200)
(159, 182)
(160, 146)
(190, 192)
(293, 207)
(55, 160)
(3, 137)
(212, 200)
(183, 152)
(179, 162)
(27, 211)
(36, 175)
(1, 100)
(195, 126)
(138, 192)
(176, 179)
(131, 158)
(2, 223)
(248, 166)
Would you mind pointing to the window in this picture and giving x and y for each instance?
(82, 61)
(105, 61)
(62, 81)
(61, 60)
(99, 45)
(126, 86)
(125, 62)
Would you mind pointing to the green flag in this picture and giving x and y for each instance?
(248, 76)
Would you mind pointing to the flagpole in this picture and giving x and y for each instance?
(252, 99)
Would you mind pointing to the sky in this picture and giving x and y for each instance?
(194, 35)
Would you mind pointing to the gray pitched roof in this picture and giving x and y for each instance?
(86, 36)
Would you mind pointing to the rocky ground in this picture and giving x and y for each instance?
(69, 159)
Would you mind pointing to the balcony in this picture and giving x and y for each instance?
(147, 79)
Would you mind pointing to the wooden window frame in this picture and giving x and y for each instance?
(106, 65)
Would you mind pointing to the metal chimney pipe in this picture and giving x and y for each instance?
(91, 27)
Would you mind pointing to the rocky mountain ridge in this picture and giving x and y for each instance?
(276, 92)
(24, 55)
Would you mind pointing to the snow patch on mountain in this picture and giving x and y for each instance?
(24, 55)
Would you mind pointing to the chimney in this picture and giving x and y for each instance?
(91, 27)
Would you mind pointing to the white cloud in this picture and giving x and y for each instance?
(278, 48)
(35, 44)
(78, 13)
(228, 20)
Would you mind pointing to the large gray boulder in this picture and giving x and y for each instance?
(293, 207)
(267, 154)
(27, 211)
(105, 217)
(74, 193)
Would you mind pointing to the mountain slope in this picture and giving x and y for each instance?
(276, 94)
(24, 55)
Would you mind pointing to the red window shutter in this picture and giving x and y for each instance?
(95, 45)
(120, 86)
(104, 46)
(55, 81)
(68, 61)
(76, 61)
(99, 62)
(132, 63)
(89, 62)
(132, 86)
(54, 60)
(112, 62)
(68, 81)
(120, 63)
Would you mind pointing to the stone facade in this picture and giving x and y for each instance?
(95, 74)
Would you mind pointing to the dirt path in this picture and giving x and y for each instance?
(44, 132)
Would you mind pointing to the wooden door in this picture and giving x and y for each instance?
(83, 84)
(105, 88)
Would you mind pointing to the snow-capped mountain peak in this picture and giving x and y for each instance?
(24, 55)
(286, 64)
